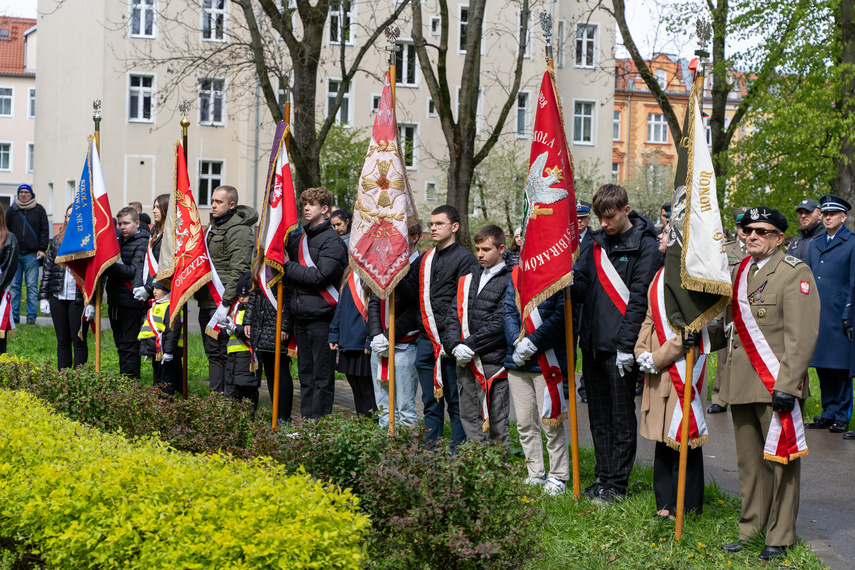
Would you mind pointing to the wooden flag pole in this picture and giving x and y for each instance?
(684, 439)
(185, 123)
(277, 355)
(392, 36)
(571, 392)
(97, 118)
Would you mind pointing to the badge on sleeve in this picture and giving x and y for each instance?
(804, 287)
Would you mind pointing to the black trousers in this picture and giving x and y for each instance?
(267, 367)
(126, 323)
(835, 388)
(66, 317)
(363, 394)
(315, 368)
(215, 350)
(611, 412)
(666, 468)
(168, 376)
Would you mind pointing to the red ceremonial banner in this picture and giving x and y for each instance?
(550, 235)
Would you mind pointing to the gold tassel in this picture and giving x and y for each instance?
(485, 427)
(554, 422)
(384, 382)
(437, 393)
(158, 357)
(253, 367)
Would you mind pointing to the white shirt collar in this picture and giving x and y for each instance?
(763, 262)
(488, 274)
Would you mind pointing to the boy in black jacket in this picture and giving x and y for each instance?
(474, 335)
(611, 278)
(126, 313)
(162, 343)
(315, 261)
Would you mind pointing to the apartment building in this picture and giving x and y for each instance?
(17, 104)
(101, 50)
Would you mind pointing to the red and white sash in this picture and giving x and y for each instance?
(554, 405)
(357, 291)
(429, 321)
(786, 438)
(253, 358)
(677, 371)
(150, 264)
(7, 324)
(475, 365)
(330, 293)
(383, 365)
(158, 334)
(614, 286)
(216, 288)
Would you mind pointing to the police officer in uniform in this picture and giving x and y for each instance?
(583, 218)
(784, 303)
(810, 226)
(832, 259)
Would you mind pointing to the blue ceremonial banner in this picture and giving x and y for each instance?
(78, 242)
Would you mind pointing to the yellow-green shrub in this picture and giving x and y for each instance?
(82, 498)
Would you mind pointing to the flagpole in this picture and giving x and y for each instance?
(392, 36)
(277, 355)
(184, 107)
(97, 118)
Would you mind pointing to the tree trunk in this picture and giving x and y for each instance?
(845, 177)
(720, 90)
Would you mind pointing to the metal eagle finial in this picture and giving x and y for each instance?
(96, 104)
(703, 29)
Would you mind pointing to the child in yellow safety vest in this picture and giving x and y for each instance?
(242, 362)
(162, 343)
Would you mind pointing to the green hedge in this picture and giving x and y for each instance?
(82, 498)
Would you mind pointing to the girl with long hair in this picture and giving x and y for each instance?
(144, 279)
(9, 253)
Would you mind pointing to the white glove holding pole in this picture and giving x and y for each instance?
(140, 294)
(380, 345)
(166, 357)
(624, 362)
(645, 362)
(462, 354)
(228, 326)
(89, 312)
(44, 306)
(222, 315)
(524, 350)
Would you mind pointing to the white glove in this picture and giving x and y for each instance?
(442, 353)
(645, 362)
(140, 294)
(228, 326)
(463, 354)
(222, 314)
(525, 349)
(89, 312)
(624, 362)
(728, 329)
(166, 357)
(380, 345)
(44, 306)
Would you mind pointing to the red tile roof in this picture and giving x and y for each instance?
(12, 44)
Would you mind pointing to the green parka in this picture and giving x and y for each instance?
(230, 245)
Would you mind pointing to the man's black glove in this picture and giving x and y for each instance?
(782, 402)
(847, 330)
(690, 340)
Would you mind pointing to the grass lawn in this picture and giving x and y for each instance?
(574, 535)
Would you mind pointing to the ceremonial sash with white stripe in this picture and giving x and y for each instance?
(158, 334)
(613, 285)
(216, 288)
(475, 365)
(786, 438)
(330, 293)
(677, 371)
(150, 264)
(357, 291)
(554, 405)
(238, 320)
(429, 321)
(6, 322)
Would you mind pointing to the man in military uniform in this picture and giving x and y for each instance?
(810, 226)
(776, 317)
(735, 251)
(583, 218)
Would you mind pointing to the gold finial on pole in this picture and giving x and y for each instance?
(184, 107)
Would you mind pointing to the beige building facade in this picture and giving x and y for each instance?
(102, 50)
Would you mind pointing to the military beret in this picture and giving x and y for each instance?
(765, 214)
(583, 208)
(808, 204)
(737, 213)
(832, 203)
(244, 283)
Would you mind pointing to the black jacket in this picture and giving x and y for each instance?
(634, 255)
(261, 317)
(448, 265)
(407, 317)
(27, 240)
(53, 274)
(800, 246)
(9, 254)
(330, 256)
(141, 280)
(120, 276)
(486, 328)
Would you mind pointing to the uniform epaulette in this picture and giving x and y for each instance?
(792, 261)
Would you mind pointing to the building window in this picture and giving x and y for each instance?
(375, 103)
(430, 192)
(409, 149)
(435, 26)
(406, 66)
(522, 115)
(464, 26)
(5, 101)
(431, 109)
(140, 98)
(586, 35)
(661, 78)
(31, 153)
(341, 22)
(561, 44)
(5, 156)
(31, 104)
(583, 122)
(616, 127)
(142, 18)
(213, 20)
(615, 171)
(343, 115)
(211, 101)
(527, 31)
(210, 177)
(657, 128)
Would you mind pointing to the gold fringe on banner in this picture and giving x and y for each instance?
(693, 443)
(186, 297)
(555, 422)
(370, 281)
(437, 393)
(485, 427)
(559, 285)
